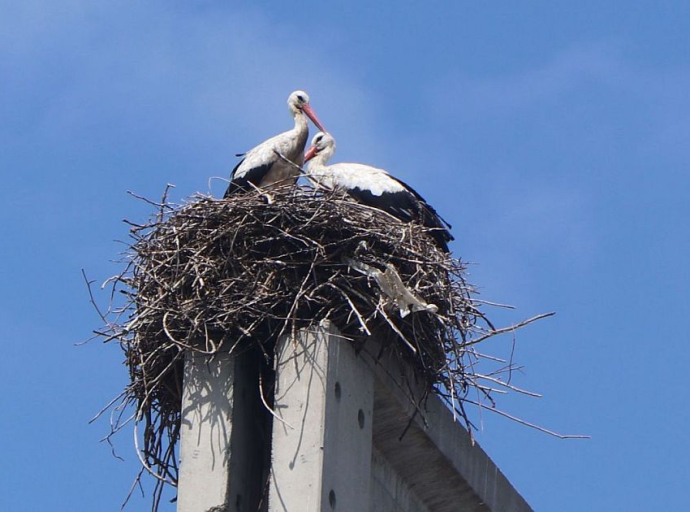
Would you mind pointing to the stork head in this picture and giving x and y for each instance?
(298, 102)
(322, 144)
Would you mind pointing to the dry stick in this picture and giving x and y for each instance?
(178, 342)
(161, 206)
(137, 481)
(487, 390)
(510, 360)
(496, 304)
(362, 322)
(100, 413)
(479, 355)
(117, 424)
(268, 408)
(93, 301)
(527, 423)
(509, 386)
(289, 162)
(215, 242)
(141, 459)
(395, 328)
(509, 328)
(299, 294)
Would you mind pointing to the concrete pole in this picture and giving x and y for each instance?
(224, 436)
(336, 442)
(322, 436)
(205, 433)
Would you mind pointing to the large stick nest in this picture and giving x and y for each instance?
(232, 274)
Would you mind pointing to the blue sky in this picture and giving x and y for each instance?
(553, 135)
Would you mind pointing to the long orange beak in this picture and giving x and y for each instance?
(312, 115)
(311, 153)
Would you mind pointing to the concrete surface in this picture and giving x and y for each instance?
(322, 443)
(430, 451)
(224, 436)
(205, 433)
(350, 434)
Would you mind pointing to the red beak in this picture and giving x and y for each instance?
(308, 110)
(311, 153)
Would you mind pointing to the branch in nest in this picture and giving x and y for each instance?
(234, 274)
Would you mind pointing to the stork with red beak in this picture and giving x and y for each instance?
(374, 187)
(263, 166)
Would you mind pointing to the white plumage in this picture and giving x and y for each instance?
(350, 176)
(261, 166)
(374, 187)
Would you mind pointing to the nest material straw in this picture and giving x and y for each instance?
(237, 273)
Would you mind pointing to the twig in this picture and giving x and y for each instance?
(240, 272)
(268, 408)
(510, 328)
(527, 423)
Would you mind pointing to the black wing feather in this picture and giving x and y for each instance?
(408, 206)
(442, 223)
(253, 176)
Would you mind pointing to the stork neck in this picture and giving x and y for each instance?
(321, 158)
(301, 123)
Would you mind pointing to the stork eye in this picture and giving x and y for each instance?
(319, 139)
(301, 98)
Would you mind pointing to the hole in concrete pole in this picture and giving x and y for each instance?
(331, 498)
(338, 391)
(360, 418)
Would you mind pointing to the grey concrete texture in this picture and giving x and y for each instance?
(349, 434)
(428, 449)
(321, 456)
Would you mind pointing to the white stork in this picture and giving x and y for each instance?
(374, 187)
(261, 166)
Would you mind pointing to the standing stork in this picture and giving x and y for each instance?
(374, 187)
(262, 166)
